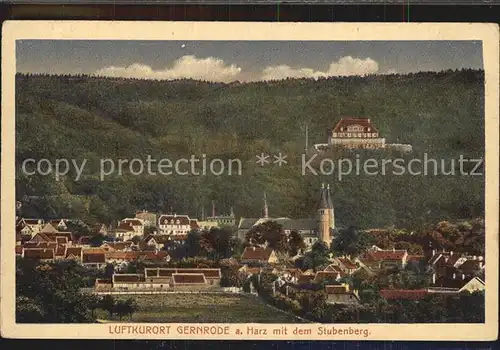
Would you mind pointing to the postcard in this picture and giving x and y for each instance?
(216, 180)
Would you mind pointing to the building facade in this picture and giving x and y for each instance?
(355, 133)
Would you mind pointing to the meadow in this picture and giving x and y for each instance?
(202, 308)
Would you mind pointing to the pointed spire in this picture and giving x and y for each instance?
(266, 209)
(232, 212)
(324, 197)
(329, 197)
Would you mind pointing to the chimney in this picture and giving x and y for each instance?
(451, 253)
(463, 276)
(393, 249)
(474, 257)
(433, 252)
(454, 276)
(434, 278)
(253, 248)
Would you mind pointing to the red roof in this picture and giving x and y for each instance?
(127, 278)
(325, 275)
(387, 255)
(349, 121)
(94, 258)
(403, 294)
(256, 253)
(39, 253)
(348, 263)
(189, 278)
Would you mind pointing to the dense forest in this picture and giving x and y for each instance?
(81, 117)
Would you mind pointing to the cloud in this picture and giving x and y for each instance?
(215, 69)
(210, 68)
(346, 66)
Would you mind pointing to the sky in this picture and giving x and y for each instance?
(228, 61)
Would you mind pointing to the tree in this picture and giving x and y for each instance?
(121, 308)
(107, 303)
(97, 240)
(317, 257)
(295, 243)
(269, 232)
(350, 241)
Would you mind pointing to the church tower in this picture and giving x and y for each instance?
(330, 208)
(324, 217)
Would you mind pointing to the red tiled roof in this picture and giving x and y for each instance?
(364, 122)
(122, 255)
(325, 275)
(124, 226)
(415, 258)
(159, 239)
(39, 253)
(127, 278)
(117, 245)
(348, 263)
(93, 258)
(406, 294)
(386, 255)
(76, 251)
(256, 253)
(189, 278)
(165, 220)
(305, 279)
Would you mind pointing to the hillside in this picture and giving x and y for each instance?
(77, 117)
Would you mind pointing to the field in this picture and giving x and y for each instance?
(203, 308)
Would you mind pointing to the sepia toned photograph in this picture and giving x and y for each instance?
(198, 182)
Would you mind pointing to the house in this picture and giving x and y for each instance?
(336, 269)
(60, 252)
(100, 229)
(258, 255)
(159, 256)
(124, 232)
(341, 294)
(93, 259)
(148, 218)
(137, 225)
(174, 224)
(83, 241)
(457, 283)
(403, 294)
(34, 225)
(128, 281)
(59, 224)
(189, 281)
(305, 279)
(164, 275)
(121, 257)
(381, 259)
(355, 133)
(40, 254)
(327, 277)
(345, 264)
(102, 285)
(117, 246)
(24, 230)
(48, 228)
(157, 242)
(74, 253)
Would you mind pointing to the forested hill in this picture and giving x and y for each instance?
(77, 117)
